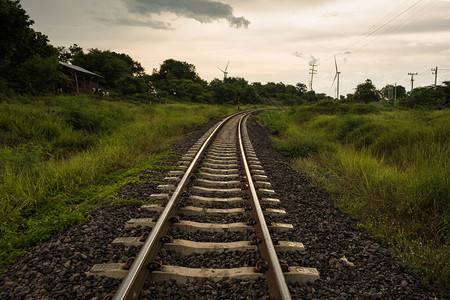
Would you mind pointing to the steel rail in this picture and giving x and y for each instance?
(278, 288)
(139, 271)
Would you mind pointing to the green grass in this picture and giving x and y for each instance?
(60, 155)
(387, 169)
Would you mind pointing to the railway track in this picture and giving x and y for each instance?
(219, 189)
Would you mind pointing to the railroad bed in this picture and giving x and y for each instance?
(351, 264)
(220, 188)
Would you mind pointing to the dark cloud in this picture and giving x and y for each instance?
(238, 22)
(204, 11)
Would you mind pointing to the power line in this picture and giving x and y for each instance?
(389, 29)
(385, 24)
(411, 9)
(389, 16)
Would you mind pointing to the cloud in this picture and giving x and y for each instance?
(335, 14)
(136, 22)
(311, 59)
(204, 11)
(298, 54)
(346, 52)
(420, 44)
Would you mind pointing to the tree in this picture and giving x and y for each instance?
(446, 89)
(15, 32)
(270, 90)
(185, 90)
(174, 69)
(223, 92)
(135, 67)
(235, 90)
(132, 85)
(366, 92)
(67, 55)
(390, 91)
(18, 41)
(310, 96)
(301, 88)
(429, 96)
(179, 80)
(349, 97)
(114, 67)
(38, 75)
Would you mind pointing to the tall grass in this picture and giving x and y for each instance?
(58, 154)
(389, 170)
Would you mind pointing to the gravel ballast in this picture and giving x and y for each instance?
(351, 264)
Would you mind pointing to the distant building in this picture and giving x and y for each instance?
(82, 80)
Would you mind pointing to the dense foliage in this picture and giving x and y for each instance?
(118, 70)
(366, 92)
(393, 92)
(436, 97)
(24, 52)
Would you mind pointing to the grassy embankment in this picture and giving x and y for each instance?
(390, 170)
(60, 155)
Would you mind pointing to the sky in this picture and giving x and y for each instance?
(264, 40)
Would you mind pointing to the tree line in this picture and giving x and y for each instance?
(429, 96)
(29, 64)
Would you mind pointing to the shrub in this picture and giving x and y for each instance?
(89, 119)
(302, 115)
(363, 109)
(347, 124)
(322, 122)
(366, 134)
(302, 145)
(276, 123)
(330, 107)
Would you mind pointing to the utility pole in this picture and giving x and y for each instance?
(76, 83)
(412, 79)
(435, 72)
(395, 94)
(312, 71)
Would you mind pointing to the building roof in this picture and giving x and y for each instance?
(78, 69)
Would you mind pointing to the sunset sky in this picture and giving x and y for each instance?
(264, 40)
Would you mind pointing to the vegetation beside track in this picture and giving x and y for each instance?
(59, 155)
(389, 169)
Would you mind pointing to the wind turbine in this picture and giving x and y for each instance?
(225, 73)
(336, 77)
